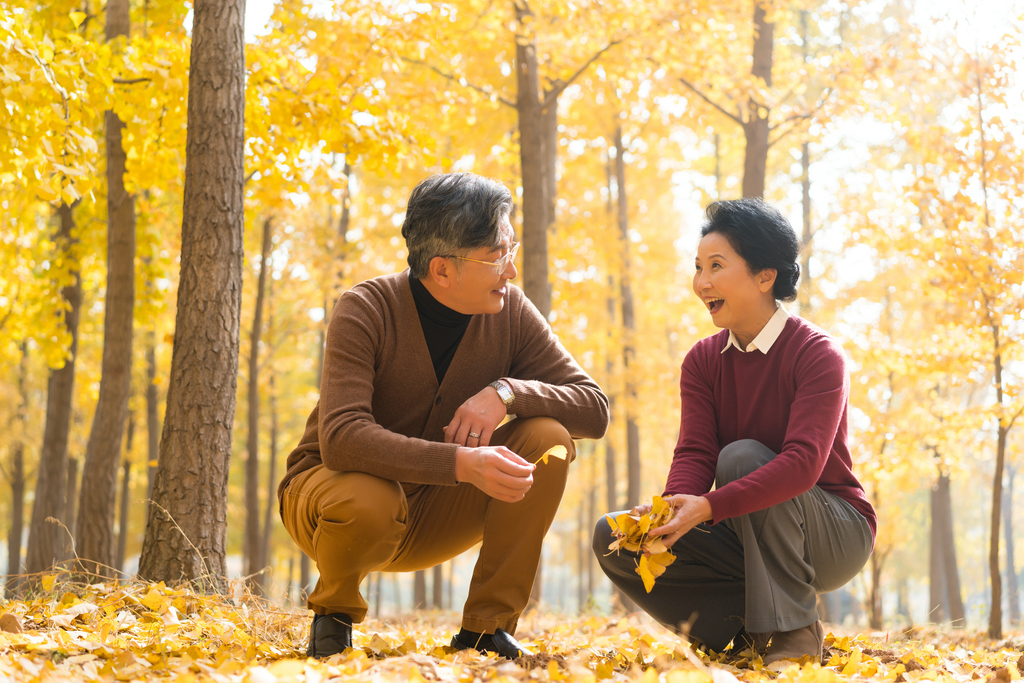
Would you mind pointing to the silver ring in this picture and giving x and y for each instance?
(474, 435)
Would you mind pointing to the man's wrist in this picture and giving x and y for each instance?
(504, 393)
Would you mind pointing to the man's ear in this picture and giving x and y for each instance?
(442, 271)
(766, 279)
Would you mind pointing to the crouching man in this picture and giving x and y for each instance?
(403, 464)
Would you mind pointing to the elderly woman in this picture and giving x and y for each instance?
(764, 420)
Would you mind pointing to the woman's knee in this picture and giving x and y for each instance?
(740, 458)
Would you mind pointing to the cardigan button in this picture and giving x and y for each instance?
(437, 401)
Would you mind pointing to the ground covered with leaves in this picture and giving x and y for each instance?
(119, 632)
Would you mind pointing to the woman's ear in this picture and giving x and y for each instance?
(441, 271)
(766, 279)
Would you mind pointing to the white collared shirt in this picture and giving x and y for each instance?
(768, 335)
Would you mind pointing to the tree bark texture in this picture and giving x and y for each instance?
(532, 165)
(185, 537)
(253, 536)
(70, 505)
(1012, 589)
(17, 476)
(755, 126)
(629, 330)
(95, 543)
(48, 542)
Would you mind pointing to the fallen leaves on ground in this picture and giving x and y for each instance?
(142, 632)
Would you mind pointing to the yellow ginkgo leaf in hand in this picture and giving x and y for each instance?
(651, 567)
(558, 451)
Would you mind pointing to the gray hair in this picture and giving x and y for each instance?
(452, 214)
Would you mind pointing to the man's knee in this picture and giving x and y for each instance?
(740, 458)
(375, 504)
(548, 432)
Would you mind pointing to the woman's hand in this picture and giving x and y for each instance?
(689, 512)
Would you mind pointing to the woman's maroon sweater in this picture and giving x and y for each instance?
(793, 399)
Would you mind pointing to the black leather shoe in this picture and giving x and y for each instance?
(501, 642)
(329, 634)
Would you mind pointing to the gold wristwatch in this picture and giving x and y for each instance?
(504, 393)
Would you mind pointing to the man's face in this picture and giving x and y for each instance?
(479, 287)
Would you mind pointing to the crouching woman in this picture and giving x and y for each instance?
(764, 420)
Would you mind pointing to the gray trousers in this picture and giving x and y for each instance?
(759, 571)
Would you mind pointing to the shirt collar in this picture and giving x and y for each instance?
(768, 335)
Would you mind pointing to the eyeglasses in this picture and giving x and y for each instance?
(500, 265)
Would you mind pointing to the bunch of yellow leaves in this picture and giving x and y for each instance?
(632, 533)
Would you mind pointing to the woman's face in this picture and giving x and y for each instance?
(737, 299)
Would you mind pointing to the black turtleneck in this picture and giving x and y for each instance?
(443, 328)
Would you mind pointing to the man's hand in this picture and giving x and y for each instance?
(480, 415)
(689, 512)
(496, 471)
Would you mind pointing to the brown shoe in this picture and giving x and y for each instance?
(796, 644)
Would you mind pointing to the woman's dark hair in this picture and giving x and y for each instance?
(762, 236)
(452, 214)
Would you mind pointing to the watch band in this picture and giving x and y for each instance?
(504, 393)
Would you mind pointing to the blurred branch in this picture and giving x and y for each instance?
(489, 92)
(552, 95)
(709, 100)
(131, 81)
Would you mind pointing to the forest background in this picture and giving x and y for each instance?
(889, 131)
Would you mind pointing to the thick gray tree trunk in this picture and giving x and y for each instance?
(253, 536)
(95, 542)
(48, 542)
(186, 534)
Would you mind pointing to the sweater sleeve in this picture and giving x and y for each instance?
(350, 438)
(822, 390)
(696, 455)
(548, 382)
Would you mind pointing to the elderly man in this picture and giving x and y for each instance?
(405, 462)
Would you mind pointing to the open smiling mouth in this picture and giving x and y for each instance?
(714, 305)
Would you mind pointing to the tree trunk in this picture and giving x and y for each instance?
(875, 596)
(1012, 590)
(70, 506)
(268, 513)
(152, 418)
(808, 232)
(437, 587)
(419, 589)
(755, 128)
(122, 528)
(937, 590)
(995, 620)
(592, 519)
(303, 577)
(253, 536)
(95, 543)
(549, 124)
(17, 477)
(942, 535)
(185, 538)
(532, 165)
(629, 330)
(48, 542)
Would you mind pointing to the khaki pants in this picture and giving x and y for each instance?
(352, 523)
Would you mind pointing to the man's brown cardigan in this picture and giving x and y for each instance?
(381, 410)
